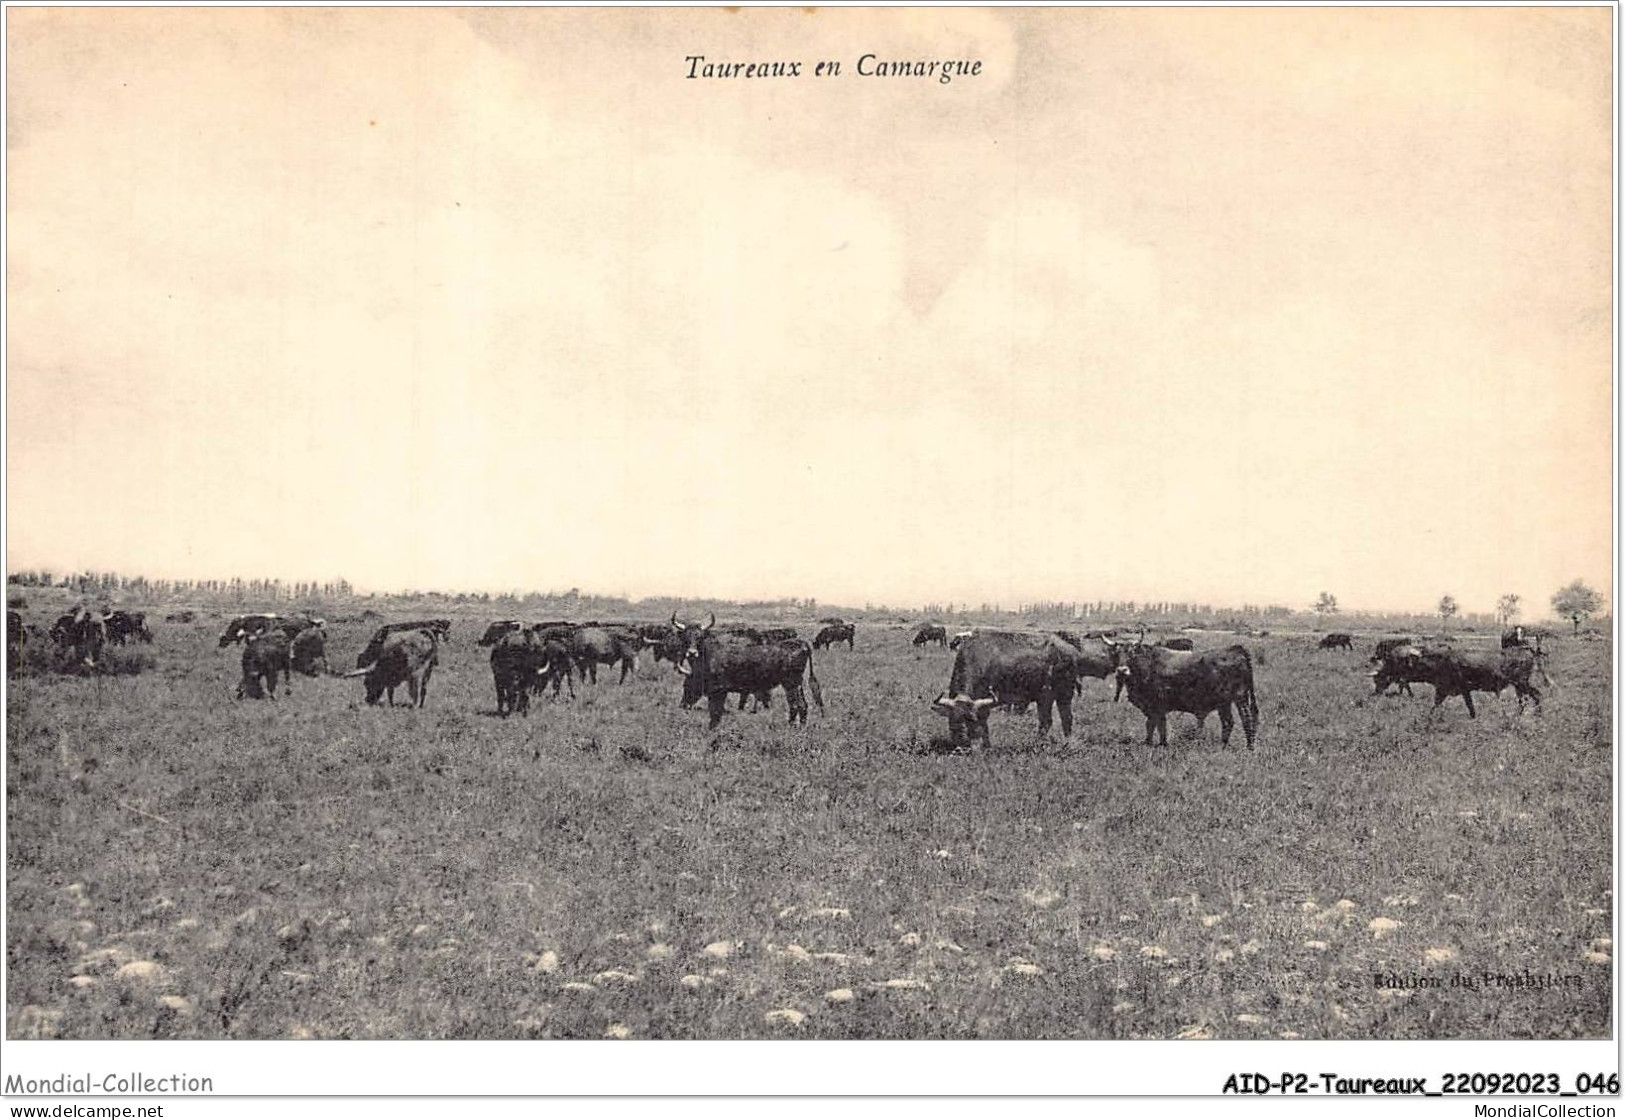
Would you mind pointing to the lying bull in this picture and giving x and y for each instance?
(836, 632)
(1160, 681)
(715, 664)
(405, 657)
(495, 632)
(246, 626)
(267, 656)
(1008, 669)
(1337, 641)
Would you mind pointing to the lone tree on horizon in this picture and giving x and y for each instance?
(1326, 604)
(1448, 607)
(1508, 607)
(1577, 602)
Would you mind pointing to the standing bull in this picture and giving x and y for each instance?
(1456, 673)
(82, 635)
(716, 664)
(405, 657)
(836, 632)
(1160, 681)
(437, 628)
(995, 668)
(266, 656)
(308, 652)
(592, 646)
(1337, 641)
(522, 662)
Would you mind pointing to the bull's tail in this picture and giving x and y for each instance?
(812, 682)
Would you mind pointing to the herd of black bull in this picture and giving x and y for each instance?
(992, 668)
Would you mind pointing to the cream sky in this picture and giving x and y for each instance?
(1228, 305)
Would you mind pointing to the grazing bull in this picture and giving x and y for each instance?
(1337, 641)
(958, 639)
(1513, 637)
(1160, 681)
(404, 657)
(125, 625)
(716, 664)
(836, 632)
(592, 646)
(266, 656)
(246, 626)
(437, 628)
(931, 632)
(1454, 672)
(308, 653)
(1395, 661)
(995, 668)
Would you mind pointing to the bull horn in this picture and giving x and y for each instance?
(712, 623)
(678, 626)
(356, 673)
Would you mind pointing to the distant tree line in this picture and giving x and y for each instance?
(1577, 602)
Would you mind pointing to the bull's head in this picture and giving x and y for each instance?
(689, 639)
(967, 718)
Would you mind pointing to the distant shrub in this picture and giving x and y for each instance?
(180, 616)
(16, 600)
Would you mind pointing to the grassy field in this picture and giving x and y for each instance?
(185, 865)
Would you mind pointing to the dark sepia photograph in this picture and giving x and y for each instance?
(799, 523)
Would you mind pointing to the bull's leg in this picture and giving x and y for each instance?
(423, 689)
(1118, 694)
(981, 728)
(796, 700)
(1467, 695)
(1046, 701)
(626, 668)
(743, 696)
(1150, 728)
(1162, 729)
(1249, 721)
(1227, 722)
(1405, 688)
(1064, 703)
(717, 703)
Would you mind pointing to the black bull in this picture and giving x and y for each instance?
(1160, 681)
(715, 664)
(522, 662)
(1453, 672)
(1012, 670)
